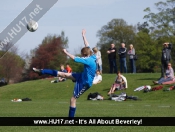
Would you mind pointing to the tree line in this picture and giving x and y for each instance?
(147, 38)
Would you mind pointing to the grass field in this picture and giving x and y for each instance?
(52, 100)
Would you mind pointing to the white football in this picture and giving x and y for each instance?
(32, 26)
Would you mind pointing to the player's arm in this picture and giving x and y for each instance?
(81, 60)
(84, 38)
(68, 54)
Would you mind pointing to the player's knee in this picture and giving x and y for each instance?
(73, 99)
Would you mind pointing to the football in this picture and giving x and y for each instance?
(32, 26)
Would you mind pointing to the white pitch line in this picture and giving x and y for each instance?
(164, 106)
(95, 103)
(114, 104)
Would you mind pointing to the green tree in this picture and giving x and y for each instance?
(162, 22)
(116, 31)
(11, 67)
(149, 52)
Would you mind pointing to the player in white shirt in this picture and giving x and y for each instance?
(97, 78)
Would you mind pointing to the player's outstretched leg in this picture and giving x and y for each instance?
(54, 73)
(46, 71)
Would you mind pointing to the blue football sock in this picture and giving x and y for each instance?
(72, 111)
(50, 72)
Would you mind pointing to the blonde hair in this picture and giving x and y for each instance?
(95, 49)
(169, 63)
(131, 46)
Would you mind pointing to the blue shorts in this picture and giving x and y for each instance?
(79, 88)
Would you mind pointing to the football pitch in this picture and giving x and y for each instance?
(52, 100)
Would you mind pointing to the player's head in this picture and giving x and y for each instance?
(86, 51)
(95, 49)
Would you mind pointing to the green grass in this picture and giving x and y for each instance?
(52, 100)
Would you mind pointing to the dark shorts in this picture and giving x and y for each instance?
(79, 88)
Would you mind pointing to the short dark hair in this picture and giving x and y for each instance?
(86, 51)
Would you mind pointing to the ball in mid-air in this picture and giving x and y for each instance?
(32, 26)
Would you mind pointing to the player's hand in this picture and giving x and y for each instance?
(64, 50)
(83, 32)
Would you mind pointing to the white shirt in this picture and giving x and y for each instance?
(98, 55)
(97, 78)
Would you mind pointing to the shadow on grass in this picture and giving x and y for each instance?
(124, 90)
(148, 79)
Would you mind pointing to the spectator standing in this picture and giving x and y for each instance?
(131, 54)
(112, 59)
(122, 55)
(99, 60)
(166, 57)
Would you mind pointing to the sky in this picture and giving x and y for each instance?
(73, 16)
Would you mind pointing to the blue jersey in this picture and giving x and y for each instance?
(89, 71)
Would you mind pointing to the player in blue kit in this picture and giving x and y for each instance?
(83, 81)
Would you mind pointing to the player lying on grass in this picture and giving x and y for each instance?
(83, 81)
